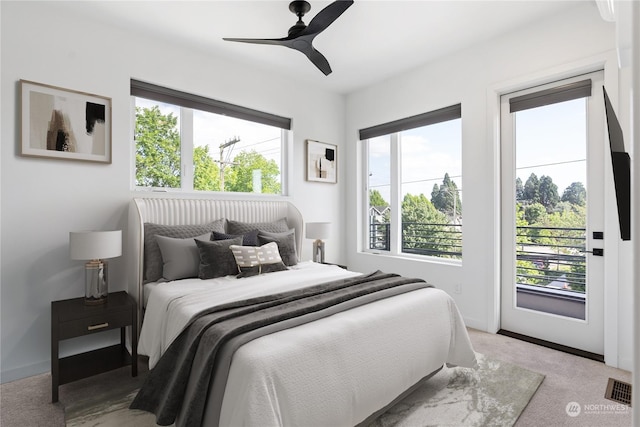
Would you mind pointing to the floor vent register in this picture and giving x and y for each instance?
(618, 391)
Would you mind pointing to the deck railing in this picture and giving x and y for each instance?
(551, 257)
(441, 240)
(550, 261)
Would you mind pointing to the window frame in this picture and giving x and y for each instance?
(395, 203)
(187, 103)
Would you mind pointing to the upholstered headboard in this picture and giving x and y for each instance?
(171, 211)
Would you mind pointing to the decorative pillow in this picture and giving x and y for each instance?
(180, 257)
(237, 227)
(286, 244)
(216, 260)
(248, 239)
(252, 260)
(152, 256)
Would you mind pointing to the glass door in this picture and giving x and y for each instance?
(552, 152)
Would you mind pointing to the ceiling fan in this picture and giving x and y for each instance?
(301, 35)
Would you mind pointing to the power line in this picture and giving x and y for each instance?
(552, 164)
(430, 179)
(260, 142)
(459, 190)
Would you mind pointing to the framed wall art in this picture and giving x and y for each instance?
(322, 162)
(61, 123)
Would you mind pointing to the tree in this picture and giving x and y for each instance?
(531, 191)
(519, 189)
(575, 194)
(420, 209)
(376, 199)
(446, 198)
(239, 177)
(424, 228)
(157, 148)
(548, 192)
(535, 213)
(206, 175)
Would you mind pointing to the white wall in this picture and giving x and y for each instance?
(562, 45)
(42, 200)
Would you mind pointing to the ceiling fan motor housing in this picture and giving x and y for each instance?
(299, 8)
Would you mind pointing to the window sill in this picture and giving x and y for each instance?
(220, 195)
(414, 258)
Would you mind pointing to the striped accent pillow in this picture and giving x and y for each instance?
(254, 260)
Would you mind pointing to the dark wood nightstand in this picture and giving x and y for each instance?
(72, 318)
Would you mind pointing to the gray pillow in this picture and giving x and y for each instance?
(237, 227)
(153, 257)
(216, 259)
(286, 244)
(248, 239)
(180, 257)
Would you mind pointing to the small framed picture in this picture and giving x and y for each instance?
(322, 162)
(61, 123)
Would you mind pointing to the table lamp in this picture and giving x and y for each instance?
(95, 246)
(318, 231)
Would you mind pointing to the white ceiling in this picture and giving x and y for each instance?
(373, 40)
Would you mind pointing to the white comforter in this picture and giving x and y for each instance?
(172, 304)
(334, 371)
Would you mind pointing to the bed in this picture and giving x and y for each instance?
(343, 364)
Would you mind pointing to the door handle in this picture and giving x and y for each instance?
(595, 251)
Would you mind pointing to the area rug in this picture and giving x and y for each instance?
(494, 394)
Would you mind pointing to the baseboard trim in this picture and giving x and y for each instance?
(553, 345)
(10, 375)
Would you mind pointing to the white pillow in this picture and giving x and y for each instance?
(253, 260)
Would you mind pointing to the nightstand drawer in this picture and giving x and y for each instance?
(89, 325)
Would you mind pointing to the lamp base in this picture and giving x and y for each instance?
(96, 284)
(318, 251)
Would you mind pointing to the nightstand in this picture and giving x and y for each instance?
(72, 318)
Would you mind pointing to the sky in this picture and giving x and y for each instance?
(215, 129)
(427, 154)
(553, 135)
(550, 140)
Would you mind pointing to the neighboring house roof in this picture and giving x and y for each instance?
(378, 210)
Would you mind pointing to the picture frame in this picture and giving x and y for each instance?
(66, 124)
(322, 162)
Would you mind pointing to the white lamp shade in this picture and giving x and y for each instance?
(318, 230)
(85, 245)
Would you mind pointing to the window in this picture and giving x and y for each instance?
(185, 142)
(413, 194)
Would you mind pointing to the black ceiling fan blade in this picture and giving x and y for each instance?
(326, 16)
(318, 60)
(256, 41)
(300, 38)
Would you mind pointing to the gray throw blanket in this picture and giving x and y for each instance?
(181, 380)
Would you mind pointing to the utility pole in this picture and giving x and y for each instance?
(224, 162)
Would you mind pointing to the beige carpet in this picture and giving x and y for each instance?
(494, 394)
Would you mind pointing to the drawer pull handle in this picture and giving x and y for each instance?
(99, 326)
